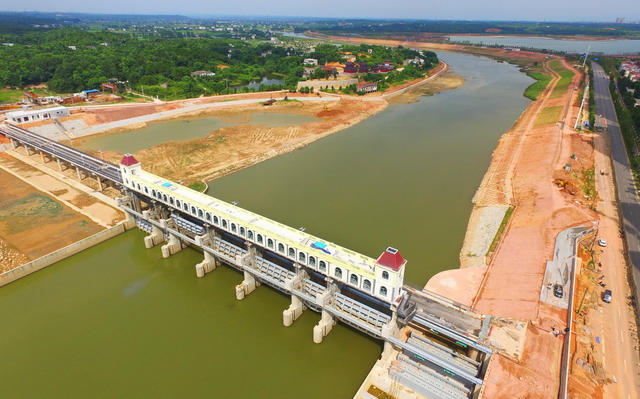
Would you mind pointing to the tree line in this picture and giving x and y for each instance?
(70, 60)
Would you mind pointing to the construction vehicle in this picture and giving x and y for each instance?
(565, 185)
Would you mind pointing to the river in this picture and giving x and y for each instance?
(619, 46)
(184, 129)
(403, 178)
(118, 321)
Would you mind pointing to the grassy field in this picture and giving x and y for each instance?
(532, 92)
(503, 225)
(549, 115)
(198, 186)
(565, 78)
(10, 96)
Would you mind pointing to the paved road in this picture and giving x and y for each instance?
(625, 186)
(560, 270)
(566, 250)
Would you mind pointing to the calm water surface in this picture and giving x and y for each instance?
(403, 178)
(117, 320)
(186, 129)
(623, 46)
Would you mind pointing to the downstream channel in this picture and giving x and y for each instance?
(118, 321)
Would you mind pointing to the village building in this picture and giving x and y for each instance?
(307, 71)
(310, 61)
(387, 66)
(37, 115)
(109, 86)
(49, 100)
(350, 67)
(91, 93)
(366, 87)
(631, 70)
(415, 61)
(349, 57)
(195, 74)
(338, 67)
(30, 97)
(327, 83)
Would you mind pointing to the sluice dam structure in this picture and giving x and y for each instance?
(439, 341)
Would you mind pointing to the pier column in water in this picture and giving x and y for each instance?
(296, 308)
(130, 221)
(323, 328)
(249, 283)
(326, 323)
(156, 236)
(246, 286)
(209, 262)
(174, 245)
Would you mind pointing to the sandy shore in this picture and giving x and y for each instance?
(35, 222)
(231, 148)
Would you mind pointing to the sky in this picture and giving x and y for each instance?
(538, 10)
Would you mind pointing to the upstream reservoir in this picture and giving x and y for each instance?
(117, 320)
(617, 46)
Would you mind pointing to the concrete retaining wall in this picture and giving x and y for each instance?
(60, 254)
(321, 84)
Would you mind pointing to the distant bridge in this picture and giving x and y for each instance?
(62, 153)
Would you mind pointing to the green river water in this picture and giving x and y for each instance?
(118, 321)
(184, 129)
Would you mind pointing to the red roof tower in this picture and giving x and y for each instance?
(129, 160)
(392, 259)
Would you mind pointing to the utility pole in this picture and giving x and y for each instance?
(586, 55)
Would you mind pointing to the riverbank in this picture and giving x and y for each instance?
(35, 222)
(238, 146)
(517, 213)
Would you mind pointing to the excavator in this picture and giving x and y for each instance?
(565, 185)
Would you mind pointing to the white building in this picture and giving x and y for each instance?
(310, 61)
(37, 115)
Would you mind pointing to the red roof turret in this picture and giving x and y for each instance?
(392, 259)
(129, 160)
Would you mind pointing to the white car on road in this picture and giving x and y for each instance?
(602, 242)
